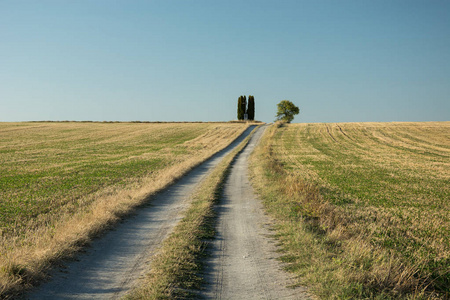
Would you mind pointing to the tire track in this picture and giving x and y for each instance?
(329, 133)
(342, 131)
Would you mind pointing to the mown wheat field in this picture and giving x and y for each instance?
(61, 183)
(377, 195)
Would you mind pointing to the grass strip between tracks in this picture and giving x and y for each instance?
(175, 268)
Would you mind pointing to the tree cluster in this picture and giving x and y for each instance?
(246, 111)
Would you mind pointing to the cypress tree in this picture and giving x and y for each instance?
(251, 108)
(240, 112)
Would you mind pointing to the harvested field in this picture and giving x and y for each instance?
(363, 206)
(63, 183)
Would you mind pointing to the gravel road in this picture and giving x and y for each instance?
(114, 263)
(243, 263)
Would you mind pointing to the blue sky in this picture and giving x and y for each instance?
(339, 61)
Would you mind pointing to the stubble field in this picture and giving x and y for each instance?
(63, 183)
(363, 207)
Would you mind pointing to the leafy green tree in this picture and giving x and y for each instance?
(286, 111)
(251, 108)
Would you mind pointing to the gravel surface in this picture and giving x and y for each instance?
(114, 263)
(243, 263)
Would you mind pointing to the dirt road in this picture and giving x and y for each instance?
(114, 263)
(243, 262)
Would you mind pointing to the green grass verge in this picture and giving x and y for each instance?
(174, 270)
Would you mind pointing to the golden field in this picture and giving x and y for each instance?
(363, 208)
(63, 183)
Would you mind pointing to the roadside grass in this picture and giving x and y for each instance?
(362, 208)
(61, 184)
(175, 268)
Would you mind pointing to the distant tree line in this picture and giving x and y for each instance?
(246, 111)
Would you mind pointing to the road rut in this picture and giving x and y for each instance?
(243, 263)
(114, 263)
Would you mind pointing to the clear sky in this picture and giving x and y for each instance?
(189, 60)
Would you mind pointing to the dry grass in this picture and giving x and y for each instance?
(64, 183)
(363, 207)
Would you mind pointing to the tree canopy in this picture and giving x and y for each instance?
(286, 111)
